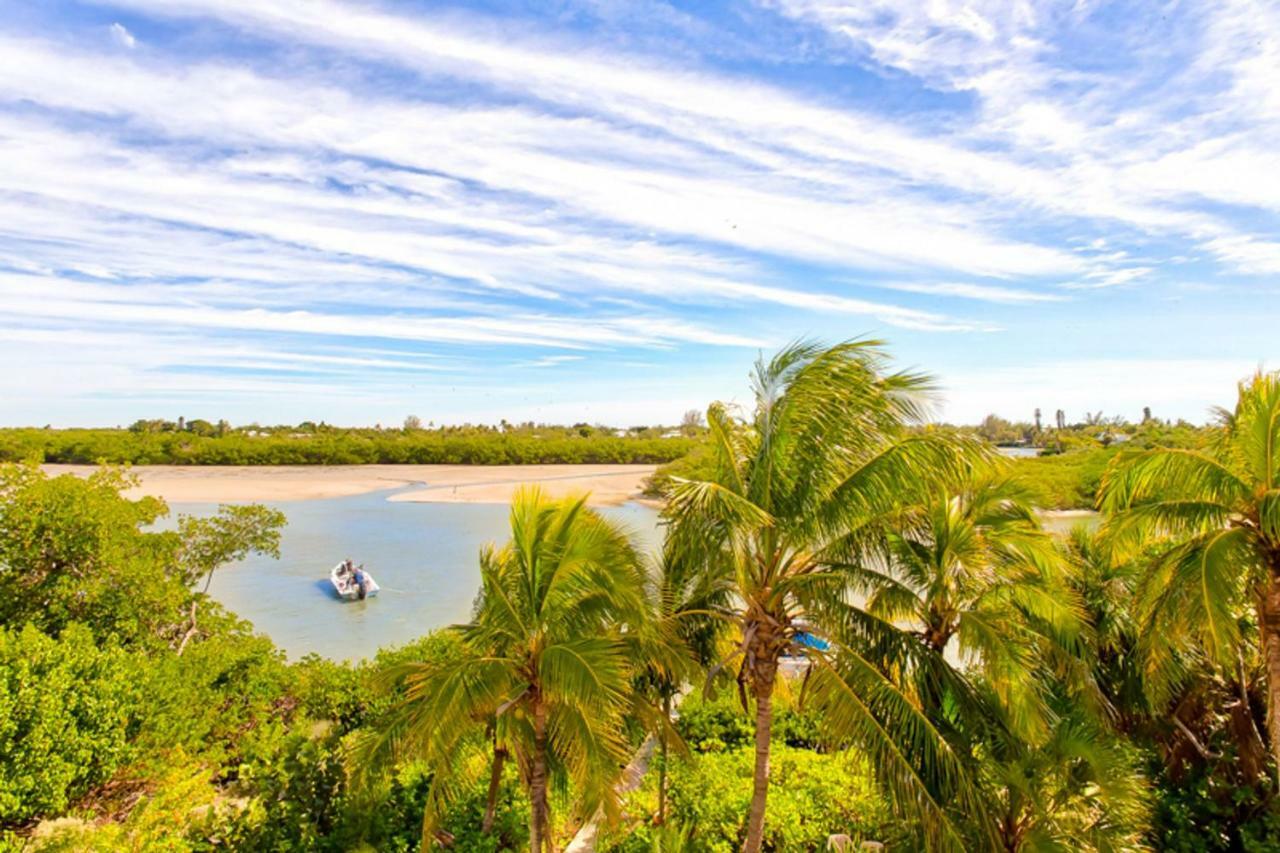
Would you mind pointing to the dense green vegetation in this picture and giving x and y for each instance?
(1066, 474)
(164, 443)
(971, 682)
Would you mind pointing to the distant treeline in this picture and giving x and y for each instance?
(1095, 430)
(147, 444)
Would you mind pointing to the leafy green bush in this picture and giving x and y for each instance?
(1065, 480)
(218, 695)
(1204, 812)
(66, 712)
(697, 464)
(71, 549)
(796, 727)
(75, 549)
(158, 821)
(713, 725)
(298, 800)
(811, 796)
(718, 724)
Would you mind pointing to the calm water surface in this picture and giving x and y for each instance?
(423, 555)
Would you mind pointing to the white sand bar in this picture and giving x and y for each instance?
(607, 484)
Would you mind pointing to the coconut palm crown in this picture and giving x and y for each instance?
(1218, 512)
(973, 570)
(802, 492)
(547, 657)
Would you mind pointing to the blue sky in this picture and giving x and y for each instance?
(277, 210)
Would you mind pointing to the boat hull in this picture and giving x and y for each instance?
(346, 589)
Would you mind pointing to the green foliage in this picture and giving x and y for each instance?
(697, 464)
(217, 696)
(1096, 430)
(1064, 480)
(1065, 476)
(155, 823)
(168, 732)
(713, 725)
(720, 725)
(161, 443)
(230, 535)
(1081, 786)
(800, 487)
(67, 709)
(75, 549)
(362, 696)
(71, 549)
(1204, 813)
(997, 430)
(1217, 512)
(463, 821)
(104, 673)
(298, 801)
(812, 796)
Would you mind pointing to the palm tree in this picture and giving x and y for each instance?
(1218, 509)
(798, 492)
(1105, 588)
(1207, 722)
(975, 574)
(546, 656)
(1080, 788)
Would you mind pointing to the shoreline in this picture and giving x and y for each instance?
(608, 485)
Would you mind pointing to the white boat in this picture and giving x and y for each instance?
(345, 584)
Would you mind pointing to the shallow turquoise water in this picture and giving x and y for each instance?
(423, 555)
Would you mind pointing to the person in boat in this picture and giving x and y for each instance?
(358, 577)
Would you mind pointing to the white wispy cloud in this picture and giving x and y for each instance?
(521, 187)
(550, 361)
(122, 36)
(969, 290)
(1186, 112)
(67, 299)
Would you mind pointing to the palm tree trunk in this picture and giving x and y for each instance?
(1269, 628)
(766, 671)
(539, 809)
(495, 782)
(662, 767)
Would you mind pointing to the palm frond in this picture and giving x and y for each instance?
(919, 768)
(1166, 474)
(1191, 598)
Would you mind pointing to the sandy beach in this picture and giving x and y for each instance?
(607, 484)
